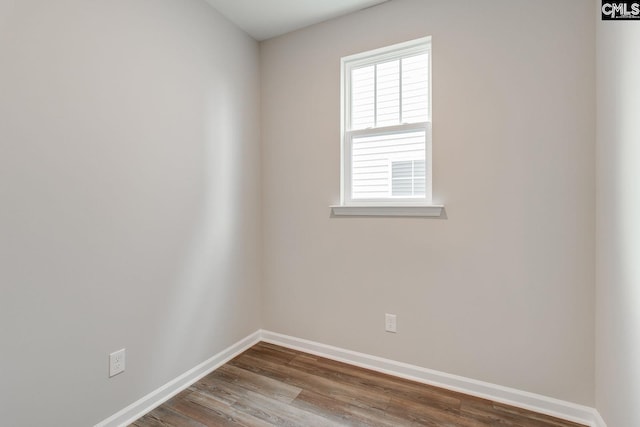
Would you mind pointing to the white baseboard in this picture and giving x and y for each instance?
(175, 386)
(521, 399)
(599, 420)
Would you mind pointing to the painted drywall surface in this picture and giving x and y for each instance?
(129, 165)
(618, 227)
(501, 291)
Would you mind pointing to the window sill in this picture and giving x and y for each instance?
(433, 211)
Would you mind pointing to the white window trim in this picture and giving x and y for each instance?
(422, 210)
(423, 207)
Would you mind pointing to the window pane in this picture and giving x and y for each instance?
(407, 178)
(377, 160)
(415, 88)
(419, 178)
(402, 188)
(388, 93)
(402, 169)
(419, 187)
(363, 97)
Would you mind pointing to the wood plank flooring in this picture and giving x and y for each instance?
(270, 385)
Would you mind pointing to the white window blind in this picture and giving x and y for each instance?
(387, 124)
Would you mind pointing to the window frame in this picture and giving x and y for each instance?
(376, 56)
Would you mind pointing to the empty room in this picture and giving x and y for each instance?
(319, 213)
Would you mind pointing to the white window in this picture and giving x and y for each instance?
(386, 126)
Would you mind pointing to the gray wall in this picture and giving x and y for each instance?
(618, 224)
(130, 196)
(130, 200)
(502, 290)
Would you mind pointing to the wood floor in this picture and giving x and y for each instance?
(273, 386)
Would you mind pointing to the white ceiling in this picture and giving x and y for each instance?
(264, 19)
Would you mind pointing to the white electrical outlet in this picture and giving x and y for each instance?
(390, 323)
(116, 362)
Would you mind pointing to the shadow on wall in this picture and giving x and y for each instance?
(207, 272)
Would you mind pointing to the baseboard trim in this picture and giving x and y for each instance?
(522, 399)
(599, 420)
(137, 409)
